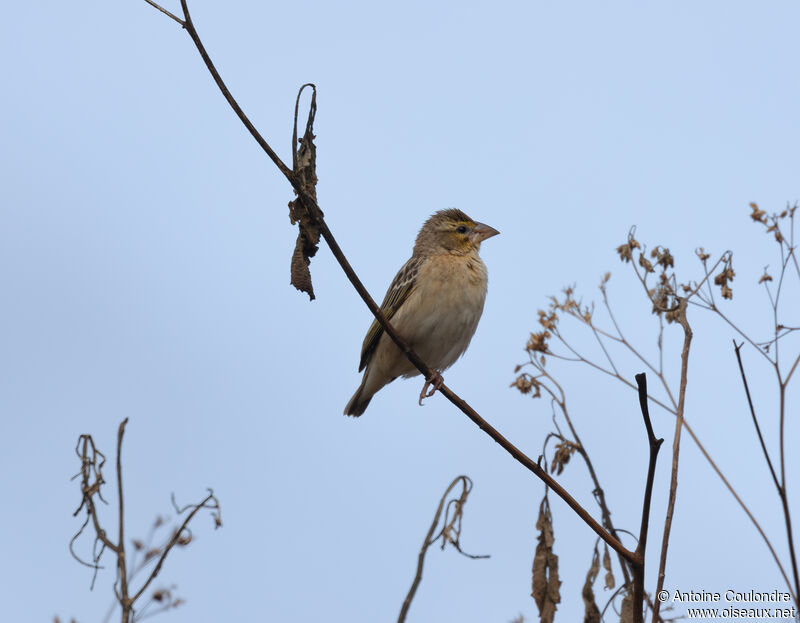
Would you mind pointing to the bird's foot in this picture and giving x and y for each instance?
(436, 381)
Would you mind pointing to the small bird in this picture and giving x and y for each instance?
(434, 302)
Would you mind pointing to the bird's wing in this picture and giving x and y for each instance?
(402, 285)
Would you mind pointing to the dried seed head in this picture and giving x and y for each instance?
(663, 257)
(548, 320)
(625, 252)
(538, 342)
(757, 215)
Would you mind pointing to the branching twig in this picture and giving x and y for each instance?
(91, 476)
(638, 565)
(450, 533)
(666, 304)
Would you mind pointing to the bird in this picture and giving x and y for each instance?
(434, 302)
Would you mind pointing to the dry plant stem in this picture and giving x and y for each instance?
(779, 485)
(598, 491)
(676, 444)
(637, 567)
(189, 26)
(92, 461)
(785, 502)
(621, 339)
(708, 303)
(429, 540)
(208, 502)
(737, 349)
(122, 566)
(310, 204)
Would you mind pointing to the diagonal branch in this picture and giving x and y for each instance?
(165, 12)
(211, 502)
(189, 26)
(737, 348)
(315, 213)
(450, 533)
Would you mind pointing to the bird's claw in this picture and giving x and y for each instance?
(436, 381)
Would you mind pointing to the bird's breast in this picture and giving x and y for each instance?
(441, 315)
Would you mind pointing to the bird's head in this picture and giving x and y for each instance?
(451, 231)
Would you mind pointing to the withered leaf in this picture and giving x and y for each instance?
(561, 457)
(305, 248)
(303, 209)
(610, 583)
(591, 611)
(545, 582)
(627, 609)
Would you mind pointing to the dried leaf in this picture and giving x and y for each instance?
(610, 583)
(561, 456)
(538, 341)
(545, 567)
(591, 611)
(757, 214)
(627, 609)
(304, 161)
(525, 383)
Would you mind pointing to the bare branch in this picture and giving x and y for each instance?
(737, 349)
(654, 445)
(210, 502)
(315, 214)
(450, 533)
(165, 12)
(676, 444)
(92, 461)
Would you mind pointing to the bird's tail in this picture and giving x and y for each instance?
(374, 379)
(360, 400)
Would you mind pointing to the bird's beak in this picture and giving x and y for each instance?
(483, 231)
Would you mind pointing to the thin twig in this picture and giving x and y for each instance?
(445, 534)
(189, 26)
(165, 12)
(676, 444)
(686, 424)
(210, 501)
(737, 349)
(654, 445)
(599, 493)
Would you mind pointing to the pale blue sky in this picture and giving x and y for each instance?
(144, 254)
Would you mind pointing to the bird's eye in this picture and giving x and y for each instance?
(462, 229)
